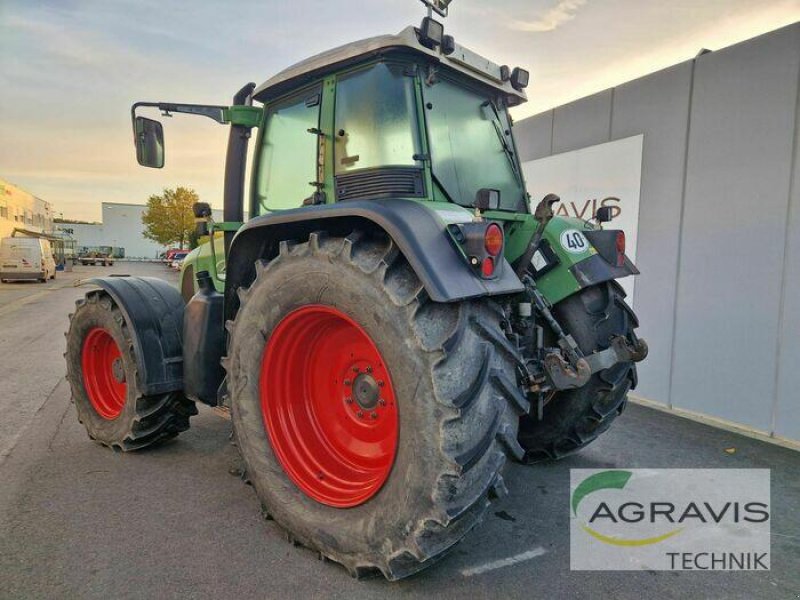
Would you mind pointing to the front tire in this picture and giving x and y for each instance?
(573, 419)
(414, 489)
(101, 369)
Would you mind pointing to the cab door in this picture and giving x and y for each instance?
(287, 160)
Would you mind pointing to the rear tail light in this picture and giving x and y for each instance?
(481, 245)
(487, 267)
(620, 248)
(493, 240)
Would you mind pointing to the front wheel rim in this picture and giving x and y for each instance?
(103, 373)
(328, 406)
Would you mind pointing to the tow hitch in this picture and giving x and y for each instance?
(564, 376)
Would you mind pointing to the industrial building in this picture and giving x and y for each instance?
(701, 159)
(121, 227)
(22, 210)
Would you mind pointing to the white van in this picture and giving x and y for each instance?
(26, 258)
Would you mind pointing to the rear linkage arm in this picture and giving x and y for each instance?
(559, 373)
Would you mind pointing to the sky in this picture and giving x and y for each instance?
(70, 69)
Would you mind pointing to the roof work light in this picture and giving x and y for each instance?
(519, 78)
(431, 33)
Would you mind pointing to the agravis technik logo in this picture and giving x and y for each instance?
(670, 519)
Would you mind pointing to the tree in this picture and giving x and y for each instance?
(168, 218)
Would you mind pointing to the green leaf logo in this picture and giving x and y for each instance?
(611, 480)
(599, 481)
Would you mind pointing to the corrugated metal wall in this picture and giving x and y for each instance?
(719, 224)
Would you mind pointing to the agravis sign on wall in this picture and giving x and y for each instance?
(607, 174)
(670, 519)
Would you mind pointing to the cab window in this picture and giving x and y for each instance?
(288, 157)
(375, 120)
(471, 145)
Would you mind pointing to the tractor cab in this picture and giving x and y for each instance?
(412, 115)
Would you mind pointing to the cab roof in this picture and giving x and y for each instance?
(461, 60)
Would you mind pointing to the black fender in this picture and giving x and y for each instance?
(596, 269)
(603, 265)
(153, 310)
(416, 230)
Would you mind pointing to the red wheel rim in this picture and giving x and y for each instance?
(103, 373)
(328, 405)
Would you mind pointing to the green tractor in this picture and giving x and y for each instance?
(392, 322)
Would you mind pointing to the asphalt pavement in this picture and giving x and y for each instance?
(80, 521)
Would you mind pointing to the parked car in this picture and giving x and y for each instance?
(26, 258)
(169, 255)
(177, 259)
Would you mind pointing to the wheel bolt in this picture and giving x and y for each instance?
(355, 370)
(360, 414)
(369, 369)
(118, 370)
(382, 402)
(380, 383)
(374, 415)
(347, 382)
(348, 400)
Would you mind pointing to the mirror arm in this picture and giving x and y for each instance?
(217, 113)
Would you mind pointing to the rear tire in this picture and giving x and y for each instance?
(453, 379)
(575, 418)
(101, 369)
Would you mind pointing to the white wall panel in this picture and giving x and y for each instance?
(719, 224)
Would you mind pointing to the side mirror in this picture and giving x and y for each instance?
(202, 214)
(487, 199)
(604, 214)
(201, 210)
(149, 139)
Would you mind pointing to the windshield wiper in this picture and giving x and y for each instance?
(498, 128)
